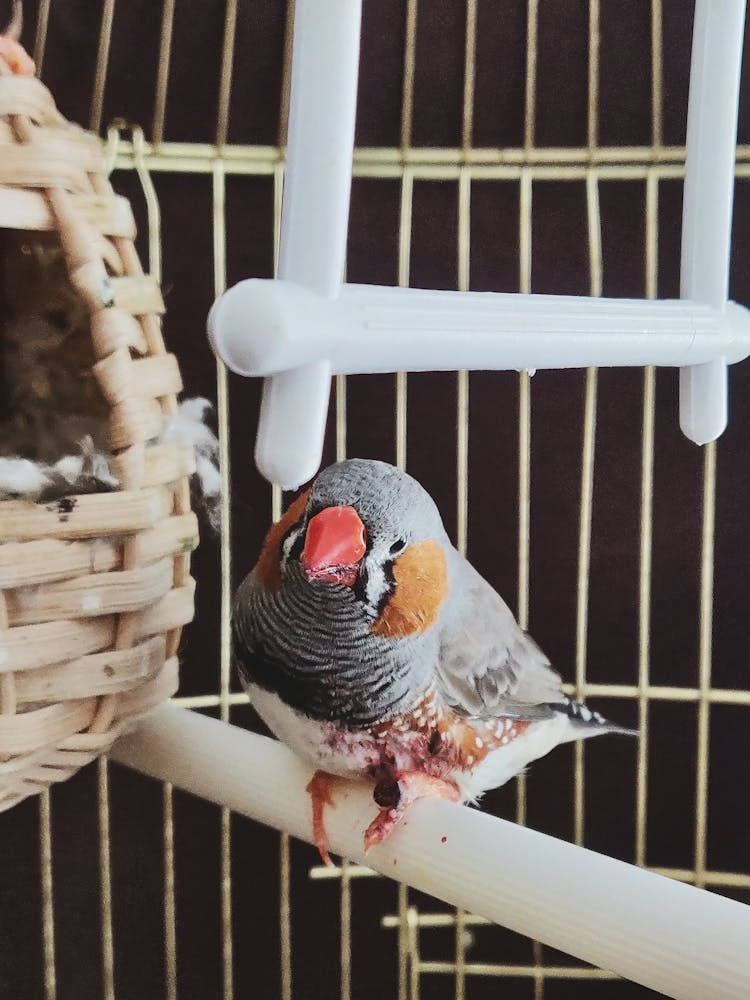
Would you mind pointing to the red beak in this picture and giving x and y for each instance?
(334, 546)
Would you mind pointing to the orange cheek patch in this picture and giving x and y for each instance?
(421, 583)
(268, 566)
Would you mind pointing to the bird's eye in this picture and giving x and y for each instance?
(398, 546)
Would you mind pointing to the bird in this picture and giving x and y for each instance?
(374, 649)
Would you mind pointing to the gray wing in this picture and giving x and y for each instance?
(488, 665)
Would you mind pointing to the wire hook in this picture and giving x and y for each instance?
(115, 131)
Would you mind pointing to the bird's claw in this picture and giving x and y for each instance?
(319, 790)
(395, 794)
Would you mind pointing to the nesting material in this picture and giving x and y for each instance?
(96, 455)
(90, 471)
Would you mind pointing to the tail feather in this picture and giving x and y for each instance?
(586, 722)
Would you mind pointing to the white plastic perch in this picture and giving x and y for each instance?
(682, 941)
(273, 326)
(382, 330)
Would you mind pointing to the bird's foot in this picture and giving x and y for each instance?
(319, 790)
(396, 793)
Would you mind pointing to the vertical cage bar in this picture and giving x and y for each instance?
(462, 377)
(405, 212)
(592, 116)
(524, 413)
(415, 963)
(407, 92)
(345, 936)
(401, 411)
(462, 448)
(225, 658)
(285, 907)
(40, 37)
(285, 875)
(162, 73)
(403, 942)
(524, 436)
(532, 25)
(340, 384)
(646, 535)
(404, 262)
(286, 75)
(704, 659)
(285, 871)
(524, 409)
(47, 891)
(345, 884)
(459, 980)
(225, 79)
(105, 884)
(285, 916)
(170, 911)
(657, 75)
(102, 61)
(586, 506)
(278, 194)
(524, 382)
(408, 971)
(467, 122)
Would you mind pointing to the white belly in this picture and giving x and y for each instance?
(319, 743)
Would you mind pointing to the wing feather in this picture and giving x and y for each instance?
(488, 665)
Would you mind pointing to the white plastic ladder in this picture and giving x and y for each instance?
(302, 327)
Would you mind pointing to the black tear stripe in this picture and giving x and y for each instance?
(390, 587)
(360, 584)
(296, 550)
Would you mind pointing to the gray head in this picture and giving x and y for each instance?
(395, 512)
(392, 504)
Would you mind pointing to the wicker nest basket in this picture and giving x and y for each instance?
(94, 588)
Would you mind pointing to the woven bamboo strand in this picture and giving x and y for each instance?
(116, 329)
(98, 514)
(29, 210)
(98, 674)
(47, 560)
(89, 596)
(28, 647)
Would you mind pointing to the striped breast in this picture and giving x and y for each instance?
(313, 645)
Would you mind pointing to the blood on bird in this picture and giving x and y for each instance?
(387, 793)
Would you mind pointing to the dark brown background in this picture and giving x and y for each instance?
(560, 264)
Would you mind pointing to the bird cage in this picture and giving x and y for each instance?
(94, 552)
(521, 147)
